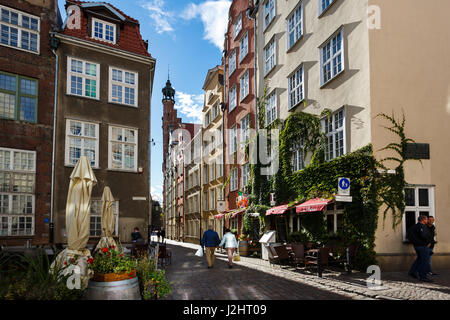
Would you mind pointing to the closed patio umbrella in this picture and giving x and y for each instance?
(108, 220)
(78, 215)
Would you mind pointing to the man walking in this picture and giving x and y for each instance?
(418, 236)
(211, 241)
(431, 230)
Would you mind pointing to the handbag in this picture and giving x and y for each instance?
(199, 252)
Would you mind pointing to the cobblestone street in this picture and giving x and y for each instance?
(254, 279)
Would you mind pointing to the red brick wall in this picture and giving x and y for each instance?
(28, 136)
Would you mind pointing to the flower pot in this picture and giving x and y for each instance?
(117, 290)
(112, 277)
(243, 248)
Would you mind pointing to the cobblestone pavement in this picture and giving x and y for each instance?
(255, 279)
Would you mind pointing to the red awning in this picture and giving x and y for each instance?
(278, 210)
(313, 205)
(219, 216)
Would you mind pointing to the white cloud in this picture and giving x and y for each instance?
(190, 105)
(214, 15)
(157, 193)
(161, 18)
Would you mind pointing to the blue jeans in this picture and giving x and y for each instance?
(428, 268)
(420, 265)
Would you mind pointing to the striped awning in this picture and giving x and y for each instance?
(313, 205)
(219, 216)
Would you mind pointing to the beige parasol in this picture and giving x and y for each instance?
(108, 220)
(78, 215)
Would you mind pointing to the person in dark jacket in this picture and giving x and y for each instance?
(418, 236)
(136, 235)
(431, 234)
(163, 234)
(211, 241)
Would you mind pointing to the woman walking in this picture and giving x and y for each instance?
(229, 239)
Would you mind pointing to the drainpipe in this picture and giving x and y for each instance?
(54, 45)
(150, 200)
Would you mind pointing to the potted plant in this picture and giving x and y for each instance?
(110, 265)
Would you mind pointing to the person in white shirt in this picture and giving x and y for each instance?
(229, 240)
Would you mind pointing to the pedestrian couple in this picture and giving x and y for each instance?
(211, 241)
(422, 236)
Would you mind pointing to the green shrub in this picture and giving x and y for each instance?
(152, 283)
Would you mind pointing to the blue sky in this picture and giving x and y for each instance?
(188, 36)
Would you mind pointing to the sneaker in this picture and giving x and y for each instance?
(425, 280)
(433, 274)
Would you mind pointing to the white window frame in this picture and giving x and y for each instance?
(244, 83)
(294, 24)
(116, 213)
(12, 170)
(245, 174)
(233, 139)
(104, 24)
(232, 98)
(296, 87)
(321, 5)
(84, 77)
(232, 62)
(271, 107)
(20, 29)
(212, 171)
(271, 14)
(237, 26)
(416, 208)
(332, 62)
(212, 199)
(245, 127)
(243, 47)
(205, 200)
(270, 57)
(207, 118)
(234, 181)
(331, 130)
(298, 161)
(83, 138)
(123, 144)
(335, 213)
(123, 85)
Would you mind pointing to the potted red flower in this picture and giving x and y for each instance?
(110, 265)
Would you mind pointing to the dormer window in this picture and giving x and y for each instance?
(103, 31)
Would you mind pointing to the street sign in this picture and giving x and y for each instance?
(344, 199)
(344, 187)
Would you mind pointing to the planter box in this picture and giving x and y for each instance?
(112, 277)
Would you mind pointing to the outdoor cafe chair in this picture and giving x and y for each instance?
(298, 256)
(283, 255)
(320, 260)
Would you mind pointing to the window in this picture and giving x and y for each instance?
(331, 58)
(232, 62)
(205, 174)
(297, 158)
(212, 199)
(296, 88)
(81, 140)
(17, 187)
(269, 12)
(96, 217)
(103, 31)
(335, 135)
(245, 174)
(234, 180)
(245, 86)
(270, 60)
(215, 111)
(233, 139)
(271, 108)
(233, 98)
(19, 30)
(18, 97)
(205, 200)
(123, 86)
(238, 25)
(83, 78)
(324, 5)
(122, 148)
(334, 217)
(212, 171)
(207, 119)
(245, 126)
(219, 169)
(419, 200)
(295, 26)
(243, 47)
